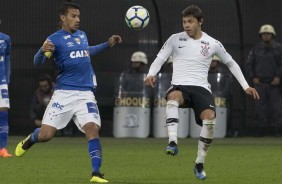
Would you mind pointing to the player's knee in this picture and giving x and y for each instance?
(175, 95)
(172, 104)
(207, 115)
(91, 130)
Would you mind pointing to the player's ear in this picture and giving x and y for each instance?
(201, 21)
(63, 18)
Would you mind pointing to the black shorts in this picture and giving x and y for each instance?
(195, 97)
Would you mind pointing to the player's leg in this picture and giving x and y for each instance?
(87, 116)
(4, 126)
(43, 134)
(95, 151)
(4, 130)
(206, 137)
(174, 98)
(204, 109)
(57, 115)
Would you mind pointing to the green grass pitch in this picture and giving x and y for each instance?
(142, 161)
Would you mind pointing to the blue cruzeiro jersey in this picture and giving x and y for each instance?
(5, 48)
(72, 57)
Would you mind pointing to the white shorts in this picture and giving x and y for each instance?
(65, 105)
(4, 96)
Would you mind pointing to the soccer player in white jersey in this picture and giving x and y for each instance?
(73, 97)
(192, 51)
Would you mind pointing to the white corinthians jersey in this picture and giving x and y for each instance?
(192, 59)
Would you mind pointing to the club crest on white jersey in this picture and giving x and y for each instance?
(205, 50)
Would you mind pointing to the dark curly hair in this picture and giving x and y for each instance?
(194, 11)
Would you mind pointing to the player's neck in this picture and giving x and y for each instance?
(198, 35)
(67, 29)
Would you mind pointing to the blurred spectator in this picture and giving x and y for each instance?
(138, 63)
(265, 70)
(41, 98)
(136, 72)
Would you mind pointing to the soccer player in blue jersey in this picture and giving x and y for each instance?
(5, 47)
(73, 97)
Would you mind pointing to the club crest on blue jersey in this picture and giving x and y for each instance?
(77, 40)
(79, 54)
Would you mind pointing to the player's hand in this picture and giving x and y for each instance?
(113, 40)
(253, 92)
(150, 81)
(275, 81)
(48, 46)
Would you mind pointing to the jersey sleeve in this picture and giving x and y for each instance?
(98, 48)
(162, 56)
(231, 64)
(40, 57)
(167, 48)
(221, 53)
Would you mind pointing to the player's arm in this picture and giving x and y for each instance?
(162, 56)
(98, 48)
(154, 69)
(236, 71)
(113, 40)
(39, 58)
(7, 60)
(43, 53)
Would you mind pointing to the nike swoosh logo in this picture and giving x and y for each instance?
(181, 46)
(211, 106)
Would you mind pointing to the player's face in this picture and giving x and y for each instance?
(191, 26)
(71, 20)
